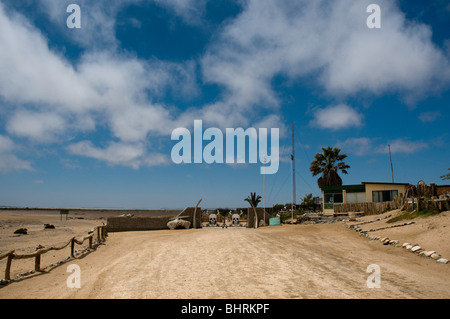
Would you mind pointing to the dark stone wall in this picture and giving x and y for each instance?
(251, 216)
(140, 223)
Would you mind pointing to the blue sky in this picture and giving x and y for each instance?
(86, 114)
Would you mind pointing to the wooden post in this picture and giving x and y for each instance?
(195, 215)
(8, 266)
(37, 262)
(72, 247)
(90, 241)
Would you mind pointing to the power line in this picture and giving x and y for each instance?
(279, 189)
(313, 190)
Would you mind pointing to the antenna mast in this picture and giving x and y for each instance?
(390, 159)
(293, 174)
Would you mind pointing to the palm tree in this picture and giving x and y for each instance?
(447, 176)
(307, 202)
(328, 163)
(254, 200)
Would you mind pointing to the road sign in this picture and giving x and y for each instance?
(63, 212)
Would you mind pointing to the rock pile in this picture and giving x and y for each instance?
(416, 249)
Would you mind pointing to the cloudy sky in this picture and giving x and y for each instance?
(86, 114)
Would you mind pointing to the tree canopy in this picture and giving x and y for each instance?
(328, 163)
(253, 199)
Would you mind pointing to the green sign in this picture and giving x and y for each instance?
(275, 221)
(63, 212)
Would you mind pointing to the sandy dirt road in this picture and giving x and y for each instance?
(285, 262)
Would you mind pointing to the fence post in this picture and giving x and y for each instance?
(72, 247)
(90, 241)
(37, 263)
(8, 266)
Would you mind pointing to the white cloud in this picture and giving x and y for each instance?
(191, 11)
(31, 73)
(329, 41)
(402, 146)
(429, 117)
(365, 146)
(97, 21)
(36, 126)
(337, 117)
(98, 18)
(116, 153)
(9, 162)
(118, 92)
(55, 101)
(358, 146)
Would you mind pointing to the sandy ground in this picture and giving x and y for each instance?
(279, 262)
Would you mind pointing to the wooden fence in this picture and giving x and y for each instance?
(366, 208)
(10, 255)
(401, 203)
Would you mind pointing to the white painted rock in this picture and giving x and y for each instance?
(405, 244)
(409, 246)
(178, 223)
(416, 248)
(442, 260)
(435, 256)
(428, 253)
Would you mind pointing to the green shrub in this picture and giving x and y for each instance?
(409, 214)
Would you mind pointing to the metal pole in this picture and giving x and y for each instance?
(390, 159)
(293, 174)
(264, 194)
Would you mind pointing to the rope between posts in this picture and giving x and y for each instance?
(11, 255)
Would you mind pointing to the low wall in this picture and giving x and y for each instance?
(141, 223)
(442, 189)
(251, 216)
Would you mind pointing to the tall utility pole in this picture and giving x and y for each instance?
(390, 159)
(264, 193)
(293, 174)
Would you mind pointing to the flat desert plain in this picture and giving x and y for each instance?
(277, 262)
